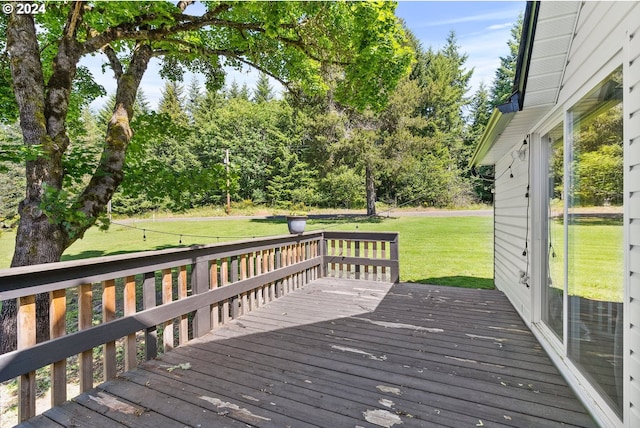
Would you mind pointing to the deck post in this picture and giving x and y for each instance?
(200, 284)
(148, 302)
(394, 247)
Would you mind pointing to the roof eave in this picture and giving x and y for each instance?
(503, 113)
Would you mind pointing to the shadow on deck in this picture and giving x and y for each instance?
(346, 353)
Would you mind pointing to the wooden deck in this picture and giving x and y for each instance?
(342, 353)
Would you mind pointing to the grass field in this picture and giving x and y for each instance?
(455, 251)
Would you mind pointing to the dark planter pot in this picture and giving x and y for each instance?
(296, 223)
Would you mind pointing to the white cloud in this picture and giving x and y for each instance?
(499, 26)
(498, 15)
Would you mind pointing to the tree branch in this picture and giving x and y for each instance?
(108, 176)
(114, 61)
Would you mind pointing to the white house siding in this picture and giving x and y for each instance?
(510, 230)
(632, 171)
(607, 35)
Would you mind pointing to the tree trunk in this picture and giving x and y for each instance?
(371, 191)
(38, 240)
(48, 226)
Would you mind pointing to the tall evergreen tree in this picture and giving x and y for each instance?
(505, 74)
(263, 91)
(194, 97)
(172, 103)
(445, 83)
(480, 111)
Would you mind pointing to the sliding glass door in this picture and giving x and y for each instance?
(584, 292)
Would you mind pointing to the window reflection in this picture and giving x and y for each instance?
(553, 293)
(595, 237)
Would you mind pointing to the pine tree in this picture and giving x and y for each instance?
(172, 103)
(505, 74)
(263, 91)
(480, 112)
(194, 97)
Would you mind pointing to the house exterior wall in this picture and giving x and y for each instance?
(510, 230)
(607, 36)
(631, 73)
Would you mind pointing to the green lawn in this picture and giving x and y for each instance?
(437, 250)
(596, 258)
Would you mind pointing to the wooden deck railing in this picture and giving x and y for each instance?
(137, 305)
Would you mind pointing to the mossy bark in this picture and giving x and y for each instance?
(43, 108)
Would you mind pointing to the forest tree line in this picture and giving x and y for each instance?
(291, 151)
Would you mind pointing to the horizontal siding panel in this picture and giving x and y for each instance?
(634, 286)
(592, 49)
(634, 180)
(514, 231)
(506, 206)
(633, 313)
(512, 249)
(633, 103)
(590, 18)
(633, 365)
(634, 261)
(587, 12)
(633, 81)
(634, 31)
(634, 149)
(508, 257)
(634, 206)
(514, 197)
(512, 225)
(634, 234)
(633, 124)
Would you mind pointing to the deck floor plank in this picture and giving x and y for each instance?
(348, 353)
(385, 367)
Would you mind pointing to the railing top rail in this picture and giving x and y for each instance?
(27, 280)
(362, 236)
(51, 276)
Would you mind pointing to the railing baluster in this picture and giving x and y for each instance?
(130, 351)
(235, 301)
(109, 314)
(333, 253)
(366, 256)
(383, 255)
(272, 267)
(253, 300)
(167, 297)
(341, 252)
(224, 280)
(26, 324)
(376, 269)
(58, 328)
(183, 329)
(148, 302)
(357, 254)
(213, 283)
(85, 318)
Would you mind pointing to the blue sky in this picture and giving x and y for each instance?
(482, 30)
